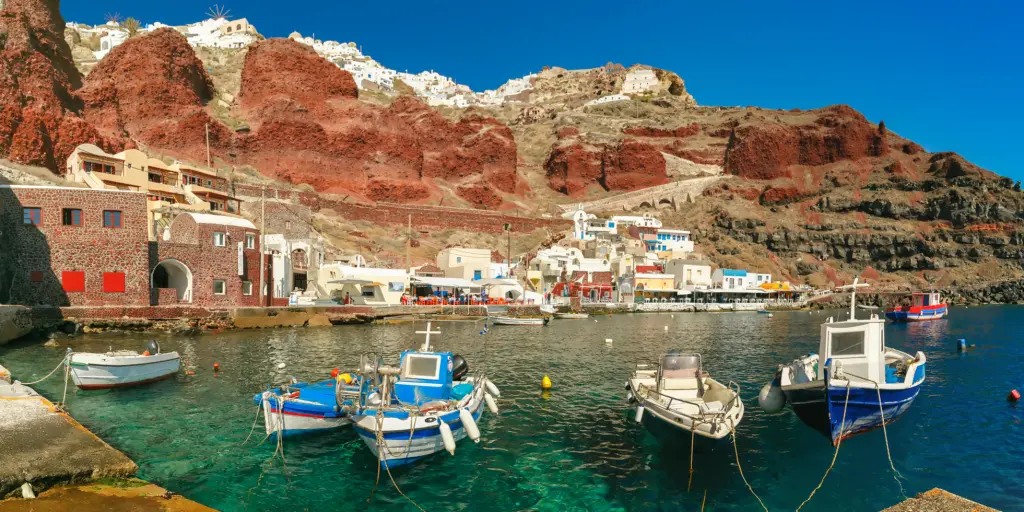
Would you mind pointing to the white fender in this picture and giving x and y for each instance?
(467, 423)
(491, 404)
(448, 438)
(492, 388)
(639, 413)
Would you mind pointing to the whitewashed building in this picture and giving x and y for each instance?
(639, 81)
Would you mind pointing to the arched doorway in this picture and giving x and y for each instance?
(172, 273)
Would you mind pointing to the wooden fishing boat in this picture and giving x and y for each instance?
(514, 320)
(122, 368)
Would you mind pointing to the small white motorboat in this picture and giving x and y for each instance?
(572, 316)
(122, 368)
(512, 320)
(676, 396)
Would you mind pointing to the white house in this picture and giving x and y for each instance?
(611, 98)
(690, 273)
(587, 226)
(111, 40)
(364, 285)
(639, 81)
(730, 279)
(669, 240)
(645, 221)
(756, 280)
(464, 262)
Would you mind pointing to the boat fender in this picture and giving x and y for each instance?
(961, 345)
(630, 398)
(771, 399)
(469, 424)
(639, 413)
(493, 389)
(447, 438)
(627, 385)
(492, 405)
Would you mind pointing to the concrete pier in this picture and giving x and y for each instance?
(44, 446)
(938, 500)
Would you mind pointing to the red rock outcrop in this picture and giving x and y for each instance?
(481, 195)
(765, 150)
(574, 165)
(784, 195)
(37, 80)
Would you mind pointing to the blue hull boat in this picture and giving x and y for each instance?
(304, 408)
(862, 384)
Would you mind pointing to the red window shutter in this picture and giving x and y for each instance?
(74, 281)
(113, 282)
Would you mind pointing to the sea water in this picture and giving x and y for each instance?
(576, 447)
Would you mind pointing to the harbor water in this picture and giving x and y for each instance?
(576, 447)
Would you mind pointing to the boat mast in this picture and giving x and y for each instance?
(426, 342)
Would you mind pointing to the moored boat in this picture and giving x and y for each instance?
(572, 316)
(423, 406)
(923, 306)
(676, 395)
(122, 368)
(304, 408)
(856, 384)
(515, 320)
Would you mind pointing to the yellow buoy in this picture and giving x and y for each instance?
(545, 383)
(346, 378)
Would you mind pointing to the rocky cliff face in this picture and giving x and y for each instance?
(574, 165)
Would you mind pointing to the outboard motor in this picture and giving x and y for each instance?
(152, 347)
(459, 367)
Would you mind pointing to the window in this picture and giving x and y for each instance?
(368, 291)
(458, 259)
(218, 239)
(287, 225)
(422, 366)
(476, 275)
(219, 287)
(35, 276)
(250, 241)
(111, 218)
(103, 168)
(155, 178)
(848, 343)
(246, 287)
(113, 282)
(229, 29)
(73, 281)
(32, 216)
(72, 217)
(209, 184)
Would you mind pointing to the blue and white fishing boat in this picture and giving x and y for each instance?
(305, 408)
(861, 385)
(423, 406)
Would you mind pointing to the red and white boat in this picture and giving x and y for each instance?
(122, 368)
(923, 306)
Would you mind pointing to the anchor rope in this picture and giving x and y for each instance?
(842, 426)
(254, 420)
(736, 449)
(62, 362)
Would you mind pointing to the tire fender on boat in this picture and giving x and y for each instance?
(469, 424)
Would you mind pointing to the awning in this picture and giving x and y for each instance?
(755, 291)
(444, 282)
(351, 281)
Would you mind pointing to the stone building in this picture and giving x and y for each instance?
(208, 260)
(64, 246)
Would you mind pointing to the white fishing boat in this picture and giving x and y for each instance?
(122, 368)
(677, 397)
(423, 406)
(572, 316)
(514, 320)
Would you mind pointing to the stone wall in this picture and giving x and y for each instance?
(34, 258)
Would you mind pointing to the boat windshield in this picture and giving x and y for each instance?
(676, 366)
(421, 366)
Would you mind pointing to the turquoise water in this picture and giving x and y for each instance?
(577, 447)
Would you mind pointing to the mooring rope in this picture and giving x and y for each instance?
(896, 474)
(254, 420)
(61, 363)
(842, 426)
(693, 437)
(736, 449)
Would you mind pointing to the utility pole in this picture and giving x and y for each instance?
(208, 163)
(263, 250)
(508, 229)
(408, 246)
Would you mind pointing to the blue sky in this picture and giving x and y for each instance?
(944, 74)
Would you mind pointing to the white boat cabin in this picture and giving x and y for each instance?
(857, 344)
(925, 299)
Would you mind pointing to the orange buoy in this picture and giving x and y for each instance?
(216, 366)
(146, 353)
(334, 373)
(1014, 396)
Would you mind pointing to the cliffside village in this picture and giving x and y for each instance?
(134, 230)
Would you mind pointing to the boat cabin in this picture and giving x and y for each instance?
(857, 344)
(925, 299)
(425, 377)
(681, 375)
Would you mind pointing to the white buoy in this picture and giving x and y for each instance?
(608, 340)
(771, 399)
(770, 315)
(280, 366)
(666, 327)
(639, 413)
(491, 404)
(469, 425)
(27, 492)
(492, 388)
(447, 438)
(672, 316)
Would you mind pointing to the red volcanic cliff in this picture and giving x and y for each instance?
(37, 77)
(766, 150)
(646, 131)
(574, 165)
(153, 88)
